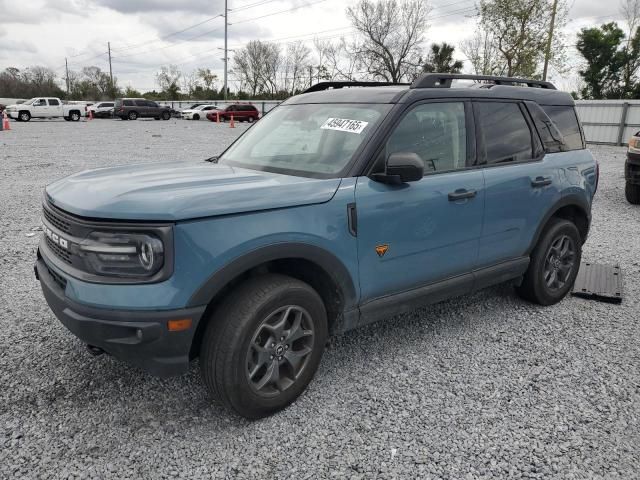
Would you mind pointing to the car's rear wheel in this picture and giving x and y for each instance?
(133, 115)
(74, 116)
(632, 193)
(263, 345)
(250, 119)
(166, 115)
(554, 264)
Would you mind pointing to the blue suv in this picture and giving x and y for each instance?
(345, 205)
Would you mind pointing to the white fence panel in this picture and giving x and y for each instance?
(609, 121)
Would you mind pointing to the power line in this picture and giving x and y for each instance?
(159, 39)
(279, 12)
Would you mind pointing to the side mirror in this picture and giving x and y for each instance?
(402, 167)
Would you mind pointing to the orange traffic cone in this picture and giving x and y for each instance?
(5, 121)
(232, 124)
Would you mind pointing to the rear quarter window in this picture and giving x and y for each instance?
(566, 121)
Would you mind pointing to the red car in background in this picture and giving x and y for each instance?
(241, 112)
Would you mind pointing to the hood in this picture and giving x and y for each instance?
(180, 191)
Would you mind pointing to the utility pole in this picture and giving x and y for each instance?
(547, 52)
(110, 69)
(226, 58)
(66, 66)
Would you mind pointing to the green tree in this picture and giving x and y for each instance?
(131, 92)
(605, 60)
(440, 59)
(518, 29)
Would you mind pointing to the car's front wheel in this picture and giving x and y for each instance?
(24, 116)
(263, 345)
(554, 264)
(166, 115)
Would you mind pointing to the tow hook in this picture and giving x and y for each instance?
(95, 351)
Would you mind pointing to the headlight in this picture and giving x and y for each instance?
(123, 254)
(634, 142)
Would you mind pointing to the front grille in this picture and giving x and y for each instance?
(59, 251)
(61, 281)
(57, 220)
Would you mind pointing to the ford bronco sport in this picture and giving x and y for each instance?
(342, 207)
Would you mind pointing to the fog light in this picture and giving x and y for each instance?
(139, 333)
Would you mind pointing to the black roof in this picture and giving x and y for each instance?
(434, 86)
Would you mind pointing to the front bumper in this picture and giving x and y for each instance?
(632, 168)
(138, 337)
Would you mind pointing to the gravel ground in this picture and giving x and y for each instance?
(485, 386)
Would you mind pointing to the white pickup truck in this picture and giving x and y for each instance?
(45, 107)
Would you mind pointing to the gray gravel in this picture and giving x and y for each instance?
(486, 386)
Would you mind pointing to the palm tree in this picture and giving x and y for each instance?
(440, 59)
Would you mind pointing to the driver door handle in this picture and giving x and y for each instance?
(461, 194)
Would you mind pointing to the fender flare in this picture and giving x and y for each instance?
(279, 251)
(570, 200)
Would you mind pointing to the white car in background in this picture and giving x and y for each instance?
(101, 109)
(198, 113)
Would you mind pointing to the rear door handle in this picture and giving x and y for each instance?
(541, 182)
(461, 194)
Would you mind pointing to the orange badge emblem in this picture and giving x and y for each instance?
(382, 249)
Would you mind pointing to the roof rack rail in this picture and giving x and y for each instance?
(318, 87)
(444, 80)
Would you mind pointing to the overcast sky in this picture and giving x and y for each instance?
(142, 32)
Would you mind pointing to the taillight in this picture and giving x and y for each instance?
(597, 177)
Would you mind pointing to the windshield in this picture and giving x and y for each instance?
(315, 140)
(29, 102)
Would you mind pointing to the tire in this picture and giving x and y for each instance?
(251, 316)
(195, 117)
(552, 273)
(250, 119)
(74, 116)
(132, 115)
(632, 193)
(24, 116)
(166, 116)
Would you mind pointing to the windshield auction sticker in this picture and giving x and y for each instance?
(344, 125)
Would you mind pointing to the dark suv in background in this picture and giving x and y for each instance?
(134, 108)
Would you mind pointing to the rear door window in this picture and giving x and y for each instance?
(566, 121)
(54, 102)
(505, 135)
(141, 103)
(128, 103)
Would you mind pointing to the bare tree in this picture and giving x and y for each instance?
(295, 66)
(190, 81)
(168, 79)
(483, 54)
(207, 77)
(391, 33)
(257, 66)
(342, 61)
